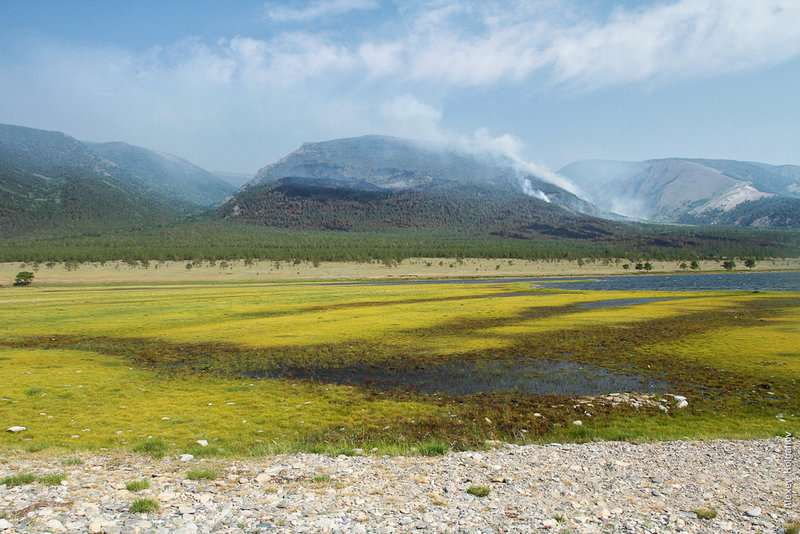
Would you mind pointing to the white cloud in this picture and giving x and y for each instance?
(662, 41)
(318, 9)
(408, 117)
(394, 77)
(678, 40)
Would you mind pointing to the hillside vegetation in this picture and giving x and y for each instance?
(221, 240)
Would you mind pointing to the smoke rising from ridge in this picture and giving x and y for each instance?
(529, 190)
(507, 148)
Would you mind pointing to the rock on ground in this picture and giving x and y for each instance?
(584, 488)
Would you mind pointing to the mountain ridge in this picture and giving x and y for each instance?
(692, 190)
(388, 171)
(50, 181)
(165, 173)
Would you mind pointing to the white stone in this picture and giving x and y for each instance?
(166, 496)
(754, 512)
(55, 525)
(202, 442)
(95, 526)
(577, 423)
(263, 478)
(5, 525)
(187, 457)
(549, 523)
(16, 429)
(682, 404)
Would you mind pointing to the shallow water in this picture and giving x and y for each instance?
(468, 377)
(758, 281)
(783, 281)
(616, 303)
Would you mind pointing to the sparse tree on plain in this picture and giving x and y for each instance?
(23, 278)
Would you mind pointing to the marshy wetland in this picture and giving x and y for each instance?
(260, 368)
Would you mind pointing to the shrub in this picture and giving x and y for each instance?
(705, 513)
(137, 485)
(52, 479)
(478, 491)
(18, 480)
(321, 478)
(144, 506)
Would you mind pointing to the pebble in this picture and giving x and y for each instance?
(589, 488)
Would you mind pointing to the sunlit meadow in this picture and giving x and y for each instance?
(260, 368)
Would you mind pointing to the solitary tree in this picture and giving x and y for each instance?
(750, 263)
(648, 266)
(728, 265)
(23, 278)
(694, 265)
(683, 265)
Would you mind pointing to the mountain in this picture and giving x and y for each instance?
(165, 174)
(378, 182)
(694, 191)
(49, 180)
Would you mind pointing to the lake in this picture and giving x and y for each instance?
(756, 281)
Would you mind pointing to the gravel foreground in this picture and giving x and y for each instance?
(594, 487)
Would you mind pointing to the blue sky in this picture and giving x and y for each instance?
(236, 85)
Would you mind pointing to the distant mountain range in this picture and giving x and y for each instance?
(693, 191)
(49, 180)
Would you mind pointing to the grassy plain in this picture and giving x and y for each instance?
(119, 272)
(157, 367)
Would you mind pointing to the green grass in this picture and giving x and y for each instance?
(144, 506)
(37, 446)
(154, 369)
(52, 479)
(432, 448)
(72, 461)
(137, 485)
(705, 513)
(479, 491)
(155, 447)
(321, 478)
(201, 474)
(18, 480)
